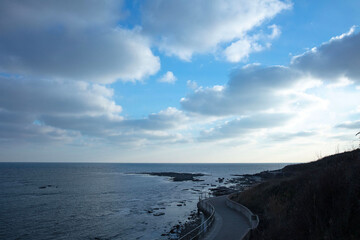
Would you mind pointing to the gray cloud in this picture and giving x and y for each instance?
(349, 125)
(73, 13)
(117, 131)
(55, 97)
(135, 139)
(182, 28)
(238, 127)
(167, 119)
(64, 110)
(23, 102)
(154, 129)
(19, 127)
(336, 58)
(249, 89)
(105, 125)
(281, 137)
(63, 39)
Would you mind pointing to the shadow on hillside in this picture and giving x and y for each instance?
(317, 200)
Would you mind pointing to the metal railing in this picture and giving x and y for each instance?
(208, 209)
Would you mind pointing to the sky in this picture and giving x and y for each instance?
(185, 81)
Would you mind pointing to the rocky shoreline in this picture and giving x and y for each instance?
(241, 182)
(177, 177)
(238, 183)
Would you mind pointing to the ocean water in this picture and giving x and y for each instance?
(101, 200)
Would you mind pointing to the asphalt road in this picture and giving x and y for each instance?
(229, 224)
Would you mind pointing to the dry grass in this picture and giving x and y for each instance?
(321, 200)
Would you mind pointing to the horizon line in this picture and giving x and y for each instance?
(171, 162)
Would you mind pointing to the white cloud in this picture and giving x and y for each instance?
(275, 31)
(191, 84)
(242, 48)
(183, 28)
(168, 77)
(77, 41)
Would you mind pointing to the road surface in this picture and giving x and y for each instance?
(229, 224)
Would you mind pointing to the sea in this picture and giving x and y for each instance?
(103, 200)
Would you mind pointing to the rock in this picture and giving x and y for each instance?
(159, 214)
(220, 180)
(219, 191)
(178, 177)
(47, 186)
(197, 180)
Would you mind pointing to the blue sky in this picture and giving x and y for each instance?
(316, 22)
(178, 81)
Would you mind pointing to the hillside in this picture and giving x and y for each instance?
(317, 200)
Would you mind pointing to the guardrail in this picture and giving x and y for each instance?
(209, 210)
(252, 218)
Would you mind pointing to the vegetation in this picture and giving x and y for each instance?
(317, 200)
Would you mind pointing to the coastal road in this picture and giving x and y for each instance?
(229, 224)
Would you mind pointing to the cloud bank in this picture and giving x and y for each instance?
(76, 41)
(57, 59)
(256, 89)
(59, 110)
